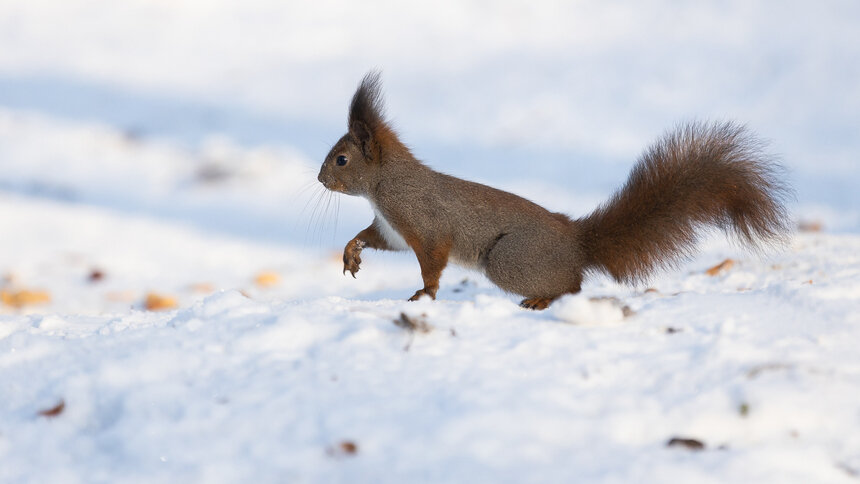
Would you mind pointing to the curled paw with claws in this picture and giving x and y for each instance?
(352, 256)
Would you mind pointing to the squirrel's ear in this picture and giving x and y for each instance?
(366, 112)
(362, 133)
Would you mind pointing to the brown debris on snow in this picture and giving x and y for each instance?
(344, 448)
(96, 275)
(687, 443)
(413, 324)
(54, 411)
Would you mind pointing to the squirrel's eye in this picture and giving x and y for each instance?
(341, 160)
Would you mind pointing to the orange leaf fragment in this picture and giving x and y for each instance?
(810, 226)
(723, 266)
(267, 279)
(24, 297)
(204, 287)
(158, 302)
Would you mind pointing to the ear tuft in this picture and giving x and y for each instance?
(367, 107)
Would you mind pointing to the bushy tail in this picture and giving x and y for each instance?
(697, 175)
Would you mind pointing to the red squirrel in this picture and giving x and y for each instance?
(700, 174)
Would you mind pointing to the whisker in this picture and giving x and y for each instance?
(300, 194)
(320, 219)
(327, 216)
(308, 186)
(298, 197)
(316, 205)
(311, 198)
(336, 215)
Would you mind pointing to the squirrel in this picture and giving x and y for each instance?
(697, 175)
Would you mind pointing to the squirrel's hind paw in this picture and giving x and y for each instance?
(537, 303)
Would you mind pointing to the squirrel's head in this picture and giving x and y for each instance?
(353, 164)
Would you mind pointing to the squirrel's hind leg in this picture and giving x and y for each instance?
(542, 266)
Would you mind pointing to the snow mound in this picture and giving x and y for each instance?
(579, 309)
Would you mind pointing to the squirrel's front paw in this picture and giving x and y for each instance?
(352, 256)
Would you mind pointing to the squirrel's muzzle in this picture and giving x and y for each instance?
(330, 183)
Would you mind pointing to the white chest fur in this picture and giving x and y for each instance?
(394, 239)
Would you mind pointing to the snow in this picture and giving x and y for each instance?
(229, 388)
(171, 149)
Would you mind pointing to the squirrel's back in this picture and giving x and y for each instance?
(471, 215)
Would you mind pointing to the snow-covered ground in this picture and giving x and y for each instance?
(165, 153)
(246, 382)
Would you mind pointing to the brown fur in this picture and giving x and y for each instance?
(698, 175)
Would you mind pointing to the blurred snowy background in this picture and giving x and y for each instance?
(554, 100)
